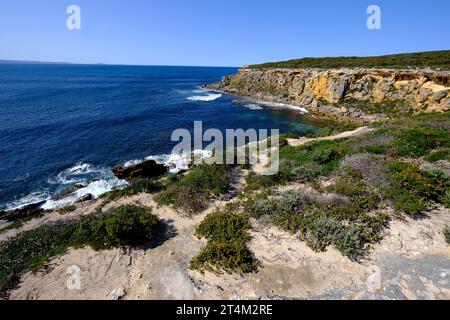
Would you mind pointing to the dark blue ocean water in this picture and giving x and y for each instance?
(66, 124)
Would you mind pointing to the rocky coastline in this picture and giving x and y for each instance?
(342, 94)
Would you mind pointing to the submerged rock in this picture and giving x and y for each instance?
(146, 169)
(31, 210)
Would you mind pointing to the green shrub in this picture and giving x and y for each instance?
(258, 206)
(414, 189)
(429, 184)
(447, 234)
(408, 203)
(128, 225)
(226, 250)
(418, 142)
(435, 156)
(446, 199)
(30, 250)
(377, 149)
(67, 209)
(193, 192)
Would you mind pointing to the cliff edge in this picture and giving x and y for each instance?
(352, 94)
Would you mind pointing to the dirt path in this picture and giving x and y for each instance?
(347, 134)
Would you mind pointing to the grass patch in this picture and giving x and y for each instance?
(67, 209)
(435, 156)
(193, 192)
(447, 234)
(30, 250)
(333, 130)
(226, 250)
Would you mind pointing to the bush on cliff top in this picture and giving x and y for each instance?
(432, 59)
(226, 250)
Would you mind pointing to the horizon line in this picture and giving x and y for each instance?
(13, 61)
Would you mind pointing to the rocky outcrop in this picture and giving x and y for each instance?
(325, 92)
(146, 169)
(28, 211)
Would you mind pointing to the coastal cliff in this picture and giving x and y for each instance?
(353, 94)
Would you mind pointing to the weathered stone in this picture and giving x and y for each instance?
(117, 294)
(86, 197)
(423, 94)
(146, 169)
(31, 210)
(63, 194)
(438, 96)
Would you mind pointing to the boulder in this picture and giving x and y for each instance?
(31, 210)
(146, 169)
(438, 96)
(86, 197)
(117, 294)
(65, 193)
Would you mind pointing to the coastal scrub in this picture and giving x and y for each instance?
(127, 225)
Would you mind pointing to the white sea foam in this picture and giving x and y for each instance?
(258, 105)
(97, 181)
(284, 106)
(34, 197)
(253, 106)
(175, 162)
(207, 98)
(96, 189)
(78, 174)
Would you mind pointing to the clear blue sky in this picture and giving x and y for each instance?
(216, 33)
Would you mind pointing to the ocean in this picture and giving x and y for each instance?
(63, 124)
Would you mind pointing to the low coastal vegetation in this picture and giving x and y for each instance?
(192, 192)
(67, 209)
(434, 60)
(227, 235)
(127, 225)
(447, 234)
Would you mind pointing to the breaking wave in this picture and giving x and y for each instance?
(175, 162)
(207, 98)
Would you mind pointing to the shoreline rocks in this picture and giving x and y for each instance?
(31, 210)
(144, 170)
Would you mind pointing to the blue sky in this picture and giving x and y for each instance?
(216, 33)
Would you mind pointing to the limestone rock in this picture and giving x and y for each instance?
(117, 294)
